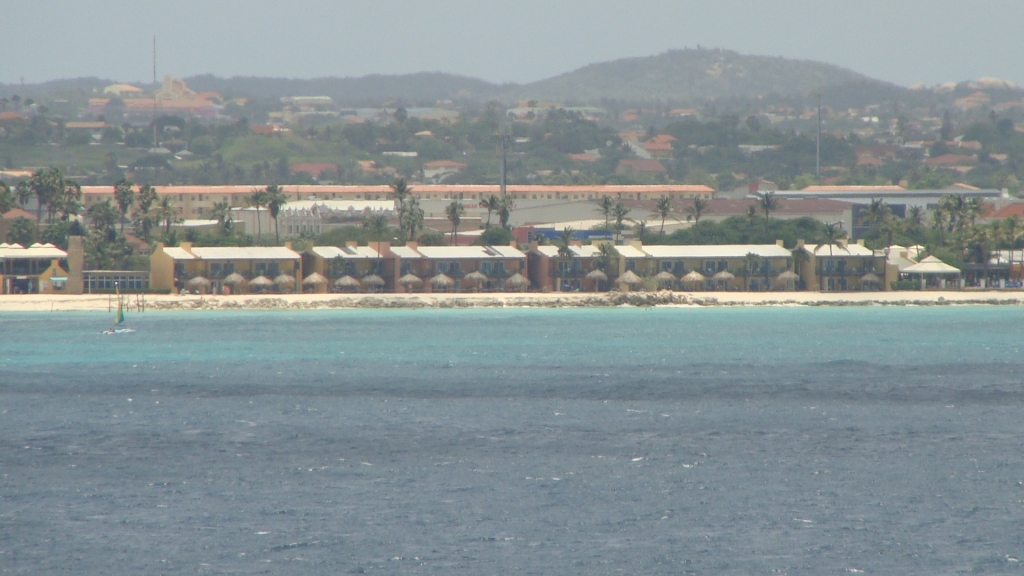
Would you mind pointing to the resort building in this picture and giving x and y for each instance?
(347, 268)
(581, 269)
(753, 267)
(38, 269)
(225, 269)
(458, 268)
(842, 267)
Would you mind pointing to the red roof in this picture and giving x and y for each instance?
(11, 116)
(19, 213)
(312, 168)
(641, 165)
(1009, 210)
(583, 157)
(950, 160)
(444, 164)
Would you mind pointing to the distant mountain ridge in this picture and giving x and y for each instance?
(687, 77)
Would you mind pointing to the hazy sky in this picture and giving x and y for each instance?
(902, 41)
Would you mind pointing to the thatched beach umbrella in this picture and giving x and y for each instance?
(373, 281)
(724, 275)
(693, 277)
(442, 281)
(410, 280)
(475, 277)
(346, 282)
(665, 276)
(284, 280)
(261, 281)
(870, 278)
(314, 279)
(199, 282)
(233, 279)
(518, 282)
(598, 275)
(787, 276)
(629, 277)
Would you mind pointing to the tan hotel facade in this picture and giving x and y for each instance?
(196, 202)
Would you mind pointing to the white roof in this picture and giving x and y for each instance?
(839, 250)
(588, 251)
(197, 223)
(574, 224)
(931, 265)
(178, 253)
(405, 252)
(716, 251)
(339, 206)
(352, 252)
(16, 251)
(246, 253)
(470, 252)
(628, 251)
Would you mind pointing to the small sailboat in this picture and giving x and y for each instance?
(119, 326)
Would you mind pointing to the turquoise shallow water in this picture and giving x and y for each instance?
(604, 441)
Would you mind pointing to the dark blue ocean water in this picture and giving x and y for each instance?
(622, 441)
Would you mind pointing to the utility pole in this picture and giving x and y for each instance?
(504, 133)
(155, 91)
(817, 145)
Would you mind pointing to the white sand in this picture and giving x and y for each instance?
(92, 302)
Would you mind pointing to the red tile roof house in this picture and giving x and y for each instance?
(313, 169)
(438, 169)
(639, 166)
(660, 146)
(951, 160)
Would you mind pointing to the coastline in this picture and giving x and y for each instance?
(158, 302)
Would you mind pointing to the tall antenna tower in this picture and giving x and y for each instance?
(817, 145)
(154, 92)
(505, 133)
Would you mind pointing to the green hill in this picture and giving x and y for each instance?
(695, 75)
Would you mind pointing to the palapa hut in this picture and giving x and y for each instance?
(260, 283)
(788, 279)
(409, 281)
(477, 278)
(316, 281)
(199, 284)
(285, 282)
(599, 278)
(517, 282)
(442, 282)
(722, 278)
(346, 284)
(693, 278)
(629, 280)
(373, 283)
(234, 280)
(665, 278)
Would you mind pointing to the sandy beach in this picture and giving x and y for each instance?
(157, 302)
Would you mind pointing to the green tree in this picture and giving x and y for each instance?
(222, 214)
(376, 225)
(492, 203)
(21, 232)
(505, 207)
(7, 198)
(620, 212)
(455, 211)
(565, 240)
(257, 199)
(830, 237)
(769, 203)
(47, 185)
(412, 219)
(167, 213)
(697, 208)
(401, 193)
(663, 209)
(275, 199)
(125, 196)
(144, 219)
(103, 216)
(605, 207)
(70, 202)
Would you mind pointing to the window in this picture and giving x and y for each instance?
(485, 267)
(442, 267)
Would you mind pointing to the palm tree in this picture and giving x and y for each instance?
(455, 211)
(875, 214)
(832, 234)
(620, 211)
(71, 200)
(400, 193)
(166, 213)
(769, 203)
(974, 208)
(750, 264)
(505, 207)
(147, 197)
(256, 200)
(1012, 232)
(605, 206)
(125, 196)
(663, 209)
(23, 191)
(7, 199)
(412, 219)
(565, 240)
(914, 219)
(377, 225)
(103, 216)
(492, 203)
(47, 186)
(222, 214)
(640, 226)
(275, 199)
(697, 208)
